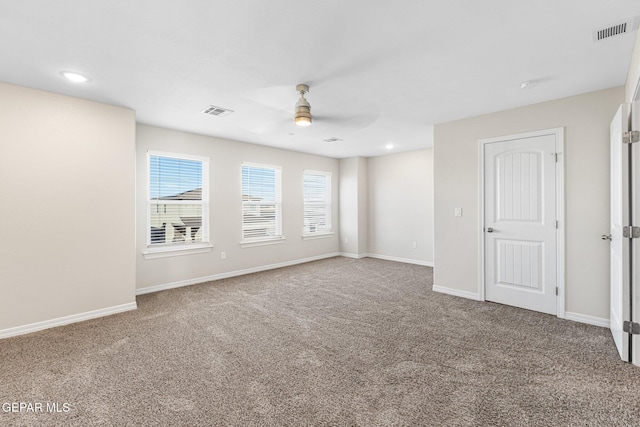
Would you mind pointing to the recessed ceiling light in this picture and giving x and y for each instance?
(389, 146)
(74, 77)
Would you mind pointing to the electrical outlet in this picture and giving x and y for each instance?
(457, 212)
(223, 255)
(346, 240)
(414, 245)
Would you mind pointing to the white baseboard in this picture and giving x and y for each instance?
(387, 258)
(457, 293)
(195, 281)
(74, 318)
(576, 317)
(405, 260)
(349, 255)
(589, 320)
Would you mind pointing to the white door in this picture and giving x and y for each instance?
(520, 222)
(634, 288)
(620, 268)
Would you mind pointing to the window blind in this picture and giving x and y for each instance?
(178, 200)
(317, 202)
(261, 202)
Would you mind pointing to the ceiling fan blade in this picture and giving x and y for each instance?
(356, 121)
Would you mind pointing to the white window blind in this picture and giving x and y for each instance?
(178, 202)
(261, 202)
(317, 202)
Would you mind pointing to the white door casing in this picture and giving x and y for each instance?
(522, 206)
(620, 271)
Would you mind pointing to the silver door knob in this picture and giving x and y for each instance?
(606, 237)
(489, 230)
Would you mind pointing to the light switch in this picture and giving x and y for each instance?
(457, 212)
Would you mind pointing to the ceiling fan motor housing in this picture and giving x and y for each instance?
(303, 109)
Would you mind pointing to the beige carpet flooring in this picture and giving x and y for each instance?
(337, 342)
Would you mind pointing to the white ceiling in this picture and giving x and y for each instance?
(379, 71)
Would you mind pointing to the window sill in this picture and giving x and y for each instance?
(321, 235)
(170, 251)
(262, 242)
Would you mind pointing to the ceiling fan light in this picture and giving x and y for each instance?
(303, 120)
(302, 115)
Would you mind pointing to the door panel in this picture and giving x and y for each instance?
(520, 223)
(519, 264)
(519, 198)
(619, 286)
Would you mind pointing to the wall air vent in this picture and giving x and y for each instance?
(212, 110)
(616, 30)
(332, 139)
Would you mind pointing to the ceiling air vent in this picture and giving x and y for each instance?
(332, 139)
(616, 30)
(212, 110)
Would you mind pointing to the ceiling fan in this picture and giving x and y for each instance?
(302, 115)
(348, 114)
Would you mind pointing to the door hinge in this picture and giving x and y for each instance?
(556, 291)
(555, 156)
(631, 137)
(556, 224)
(630, 232)
(631, 327)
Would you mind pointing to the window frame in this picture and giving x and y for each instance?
(328, 203)
(267, 240)
(185, 247)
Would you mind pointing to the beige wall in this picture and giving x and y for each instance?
(633, 75)
(586, 119)
(401, 206)
(364, 211)
(226, 158)
(354, 207)
(66, 169)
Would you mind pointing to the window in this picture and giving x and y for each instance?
(317, 203)
(261, 202)
(178, 202)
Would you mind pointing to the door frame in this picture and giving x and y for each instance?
(560, 207)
